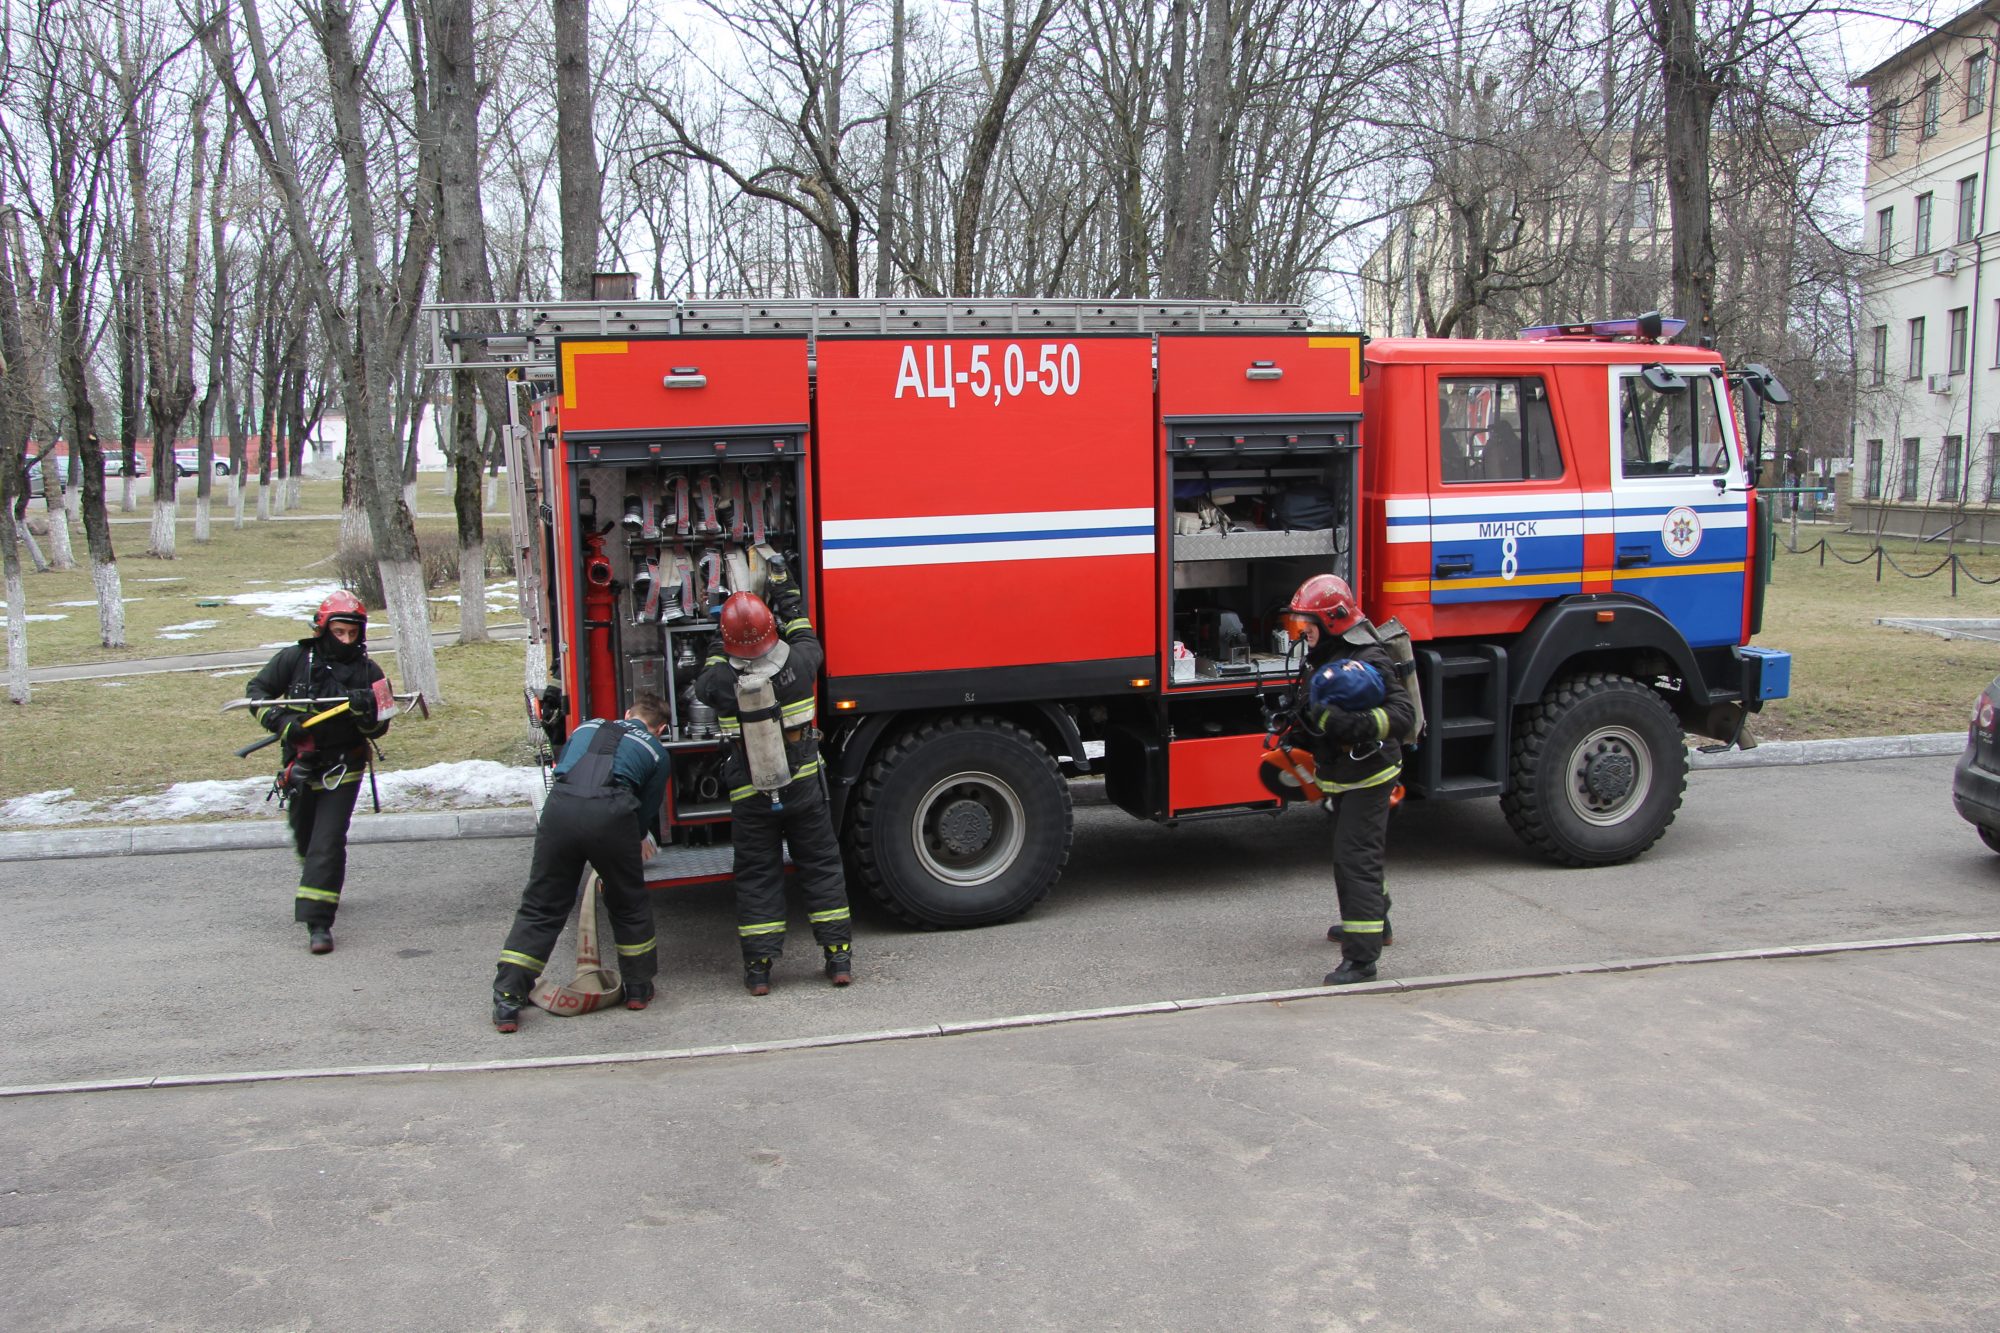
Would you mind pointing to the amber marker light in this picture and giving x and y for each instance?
(1606, 617)
(844, 705)
(1141, 682)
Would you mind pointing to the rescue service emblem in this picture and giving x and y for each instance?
(1681, 531)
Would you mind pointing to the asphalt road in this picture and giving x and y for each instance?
(183, 964)
(1797, 1143)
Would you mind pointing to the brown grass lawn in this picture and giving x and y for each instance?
(1850, 676)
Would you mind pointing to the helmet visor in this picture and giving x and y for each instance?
(1295, 622)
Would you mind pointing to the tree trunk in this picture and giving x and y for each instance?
(892, 145)
(985, 141)
(581, 187)
(1690, 95)
(13, 480)
(57, 507)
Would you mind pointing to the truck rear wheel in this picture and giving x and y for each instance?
(964, 821)
(1598, 771)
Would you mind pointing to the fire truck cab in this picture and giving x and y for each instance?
(1048, 539)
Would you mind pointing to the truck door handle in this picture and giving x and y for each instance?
(1448, 565)
(1632, 556)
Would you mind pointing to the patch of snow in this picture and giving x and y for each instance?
(110, 684)
(32, 617)
(168, 578)
(127, 600)
(226, 675)
(187, 631)
(295, 604)
(464, 785)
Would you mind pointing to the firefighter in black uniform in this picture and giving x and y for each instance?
(604, 811)
(324, 761)
(1357, 756)
(772, 770)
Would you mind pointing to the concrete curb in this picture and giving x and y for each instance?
(1322, 993)
(151, 839)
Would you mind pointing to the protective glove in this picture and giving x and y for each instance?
(1350, 728)
(278, 720)
(362, 704)
(781, 594)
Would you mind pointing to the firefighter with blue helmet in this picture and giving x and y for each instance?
(1354, 709)
(603, 811)
(761, 681)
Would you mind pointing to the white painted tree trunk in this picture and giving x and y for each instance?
(236, 505)
(292, 493)
(164, 513)
(277, 493)
(492, 491)
(409, 616)
(535, 671)
(127, 499)
(17, 640)
(73, 503)
(60, 554)
(41, 562)
(410, 498)
(472, 594)
(201, 529)
(110, 602)
(354, 534)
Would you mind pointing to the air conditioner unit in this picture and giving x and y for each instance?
(1946, 261)
(1940, 382)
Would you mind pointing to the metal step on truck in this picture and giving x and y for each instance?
(1026, 526)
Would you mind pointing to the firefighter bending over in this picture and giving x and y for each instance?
(761, 688)
(604, 811)
(1352, 702)
(325, 748)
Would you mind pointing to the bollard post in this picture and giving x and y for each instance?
(1878, 564)
(1954, 573)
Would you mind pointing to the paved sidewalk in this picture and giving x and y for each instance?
(40, 844)
(236, 657)
(1802, 1143)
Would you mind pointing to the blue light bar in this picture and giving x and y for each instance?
(1603, 330)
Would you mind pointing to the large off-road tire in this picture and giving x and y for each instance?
(964, 821)
(1599, 767)
(1991, 837)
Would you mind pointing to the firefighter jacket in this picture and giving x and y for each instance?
(1344, 765)
(640, 764)
(794, 684)
(306, 670)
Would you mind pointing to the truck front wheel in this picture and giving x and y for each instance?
(1598, 771)
(964, 821)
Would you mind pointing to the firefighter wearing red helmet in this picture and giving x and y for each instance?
(1357, 756)
(760, 681)
(324, 761)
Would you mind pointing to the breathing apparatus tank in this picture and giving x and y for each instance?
(763, 736)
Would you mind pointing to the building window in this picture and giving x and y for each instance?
(1933, 104)
(1922, 240)
(1906, 488)
(1955, 345)
(1917, 348)
(1968, 204)
(1889, 128)
(1978, 72)
(1871, 476)
(1992, 467)
(1949, 465)
(1878, 356)
(1885, 234)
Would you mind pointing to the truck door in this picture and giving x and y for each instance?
(1506, 513)
(1677, 489)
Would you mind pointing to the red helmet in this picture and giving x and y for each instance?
(747, 627)
(341, 606)
(1327, 600)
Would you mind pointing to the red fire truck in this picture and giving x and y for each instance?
(1046, 539)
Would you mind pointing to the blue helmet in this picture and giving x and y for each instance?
(1350, 684)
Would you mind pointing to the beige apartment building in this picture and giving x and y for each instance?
(1927, 421)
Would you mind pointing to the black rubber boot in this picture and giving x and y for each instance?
(757, 976)
(319, 939)
(506, 1012)
(1350, 973)
(840, 964)
(638, 994)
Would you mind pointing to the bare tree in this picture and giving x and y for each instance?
(1016, 48)
(366, 334)
(582, 191)
(13, 434)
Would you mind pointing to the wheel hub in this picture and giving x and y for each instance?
(964, 827)
(1609, 776)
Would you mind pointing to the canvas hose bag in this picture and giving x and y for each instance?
(595, 985)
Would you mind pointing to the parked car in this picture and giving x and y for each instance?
(34, 471)
(114, 464)
(188, 461)
(1975, 786)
